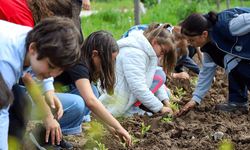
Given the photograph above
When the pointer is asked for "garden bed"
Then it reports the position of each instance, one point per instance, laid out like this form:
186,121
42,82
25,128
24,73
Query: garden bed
203,127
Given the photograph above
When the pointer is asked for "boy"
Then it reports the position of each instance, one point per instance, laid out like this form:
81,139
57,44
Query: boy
50,47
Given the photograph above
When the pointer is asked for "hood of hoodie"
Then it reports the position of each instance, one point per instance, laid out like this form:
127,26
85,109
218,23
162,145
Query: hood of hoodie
137,40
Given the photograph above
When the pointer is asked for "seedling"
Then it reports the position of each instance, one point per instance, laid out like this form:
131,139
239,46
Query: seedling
180,93
133,141
144,129
100,145
169,119
173,106
194,82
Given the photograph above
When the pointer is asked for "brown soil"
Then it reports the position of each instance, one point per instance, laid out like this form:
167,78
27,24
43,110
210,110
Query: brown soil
193,130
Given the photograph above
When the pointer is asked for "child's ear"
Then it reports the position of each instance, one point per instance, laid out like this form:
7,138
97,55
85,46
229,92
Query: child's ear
32,48
94,53
153,42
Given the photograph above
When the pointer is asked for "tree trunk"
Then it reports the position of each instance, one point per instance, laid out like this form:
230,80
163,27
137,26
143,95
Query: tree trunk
228,4
137,15
218,5
241,3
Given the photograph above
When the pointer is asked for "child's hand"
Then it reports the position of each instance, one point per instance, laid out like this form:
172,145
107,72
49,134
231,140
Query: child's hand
53,127
54,103
86,4
181,75
121,133
166,109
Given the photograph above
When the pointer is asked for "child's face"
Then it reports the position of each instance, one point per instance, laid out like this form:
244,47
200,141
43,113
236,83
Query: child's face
160,49
44,68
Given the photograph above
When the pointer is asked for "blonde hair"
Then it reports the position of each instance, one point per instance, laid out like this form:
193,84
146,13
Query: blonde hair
163,36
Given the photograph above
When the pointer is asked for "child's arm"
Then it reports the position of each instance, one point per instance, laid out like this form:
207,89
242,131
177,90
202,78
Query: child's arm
98,109
50,123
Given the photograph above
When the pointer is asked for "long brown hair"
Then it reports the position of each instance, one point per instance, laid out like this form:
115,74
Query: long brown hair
163,36
42,9
106,45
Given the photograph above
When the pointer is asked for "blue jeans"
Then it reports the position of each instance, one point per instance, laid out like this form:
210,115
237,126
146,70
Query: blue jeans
75,110
239,79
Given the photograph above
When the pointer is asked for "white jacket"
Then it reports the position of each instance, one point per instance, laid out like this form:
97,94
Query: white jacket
135,67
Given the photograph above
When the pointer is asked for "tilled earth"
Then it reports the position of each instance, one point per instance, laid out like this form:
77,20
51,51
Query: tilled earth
203,127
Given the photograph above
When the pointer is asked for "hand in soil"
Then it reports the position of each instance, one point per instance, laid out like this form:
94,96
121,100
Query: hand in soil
190,104
122,133
166,109
53,127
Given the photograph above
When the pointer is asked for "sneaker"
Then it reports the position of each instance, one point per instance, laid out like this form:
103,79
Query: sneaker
64,144
232,106
37,136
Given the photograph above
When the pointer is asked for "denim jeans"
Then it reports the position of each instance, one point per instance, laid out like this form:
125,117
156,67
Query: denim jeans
75,110
239,79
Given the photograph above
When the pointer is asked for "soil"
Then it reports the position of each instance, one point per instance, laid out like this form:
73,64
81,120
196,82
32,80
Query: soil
202,127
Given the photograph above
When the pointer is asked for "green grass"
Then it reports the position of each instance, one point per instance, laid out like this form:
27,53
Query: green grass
111,18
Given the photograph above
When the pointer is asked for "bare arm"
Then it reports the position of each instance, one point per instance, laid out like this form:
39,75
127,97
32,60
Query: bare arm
98,108
50,123
200,54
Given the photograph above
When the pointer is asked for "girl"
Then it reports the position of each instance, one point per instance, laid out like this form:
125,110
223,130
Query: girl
98,54
136,65
181,45
224,40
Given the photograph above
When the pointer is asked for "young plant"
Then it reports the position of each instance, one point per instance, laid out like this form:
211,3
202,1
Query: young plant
100,145
133,141
168,119
180,93
144,129
173,106
194,82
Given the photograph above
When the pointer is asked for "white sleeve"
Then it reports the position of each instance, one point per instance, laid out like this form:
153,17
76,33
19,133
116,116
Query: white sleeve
45,85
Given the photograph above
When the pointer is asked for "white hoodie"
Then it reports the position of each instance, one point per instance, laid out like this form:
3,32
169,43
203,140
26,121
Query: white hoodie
135,67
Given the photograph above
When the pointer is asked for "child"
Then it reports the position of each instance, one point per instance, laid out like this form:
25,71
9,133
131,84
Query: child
74,85
42,49
23,13
224,40
136,65
181,45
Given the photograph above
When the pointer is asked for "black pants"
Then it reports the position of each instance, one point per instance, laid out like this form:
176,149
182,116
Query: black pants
19,113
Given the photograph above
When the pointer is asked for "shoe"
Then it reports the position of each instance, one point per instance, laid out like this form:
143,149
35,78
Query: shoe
37,136
64,144
232,106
